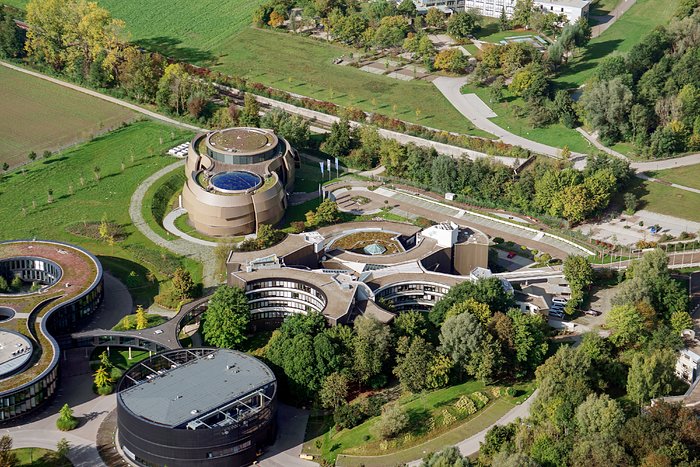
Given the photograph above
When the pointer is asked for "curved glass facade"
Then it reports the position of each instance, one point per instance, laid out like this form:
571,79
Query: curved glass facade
31,269
412,295
240,159
272,299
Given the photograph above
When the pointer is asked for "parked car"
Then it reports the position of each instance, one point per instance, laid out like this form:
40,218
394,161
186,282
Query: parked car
561,300
511,254
556,313
593,312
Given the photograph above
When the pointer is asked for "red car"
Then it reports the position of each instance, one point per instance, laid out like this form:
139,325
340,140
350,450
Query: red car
511,254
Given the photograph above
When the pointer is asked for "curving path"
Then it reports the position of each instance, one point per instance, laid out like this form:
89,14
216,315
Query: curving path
182,247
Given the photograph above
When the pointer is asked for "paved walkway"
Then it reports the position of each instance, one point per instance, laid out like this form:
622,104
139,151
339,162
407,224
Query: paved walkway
104,97
169,225
201,253
477,112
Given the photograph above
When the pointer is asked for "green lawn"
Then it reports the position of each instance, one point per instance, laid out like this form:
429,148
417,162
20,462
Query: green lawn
91,200
40,457
308,176
41,116
603,7
665,199
638,21
153,321
686,176
118,358
159,198
556,135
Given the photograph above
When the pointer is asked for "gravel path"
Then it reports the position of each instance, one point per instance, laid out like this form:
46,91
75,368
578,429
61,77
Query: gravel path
201,253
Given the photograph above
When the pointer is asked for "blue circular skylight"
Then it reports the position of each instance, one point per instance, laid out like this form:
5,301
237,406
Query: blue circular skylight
235,181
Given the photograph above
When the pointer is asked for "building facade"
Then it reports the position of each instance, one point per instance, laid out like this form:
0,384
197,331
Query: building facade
71,281
237,179
166,416
572,9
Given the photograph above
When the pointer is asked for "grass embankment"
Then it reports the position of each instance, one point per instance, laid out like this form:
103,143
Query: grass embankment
638,21
435,422
686,176
159,200
664,199
27,213
556,134
41,116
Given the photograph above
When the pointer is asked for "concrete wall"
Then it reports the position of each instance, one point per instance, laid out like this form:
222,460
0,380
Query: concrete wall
469,256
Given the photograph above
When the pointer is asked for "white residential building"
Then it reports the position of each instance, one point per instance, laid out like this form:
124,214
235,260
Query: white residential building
573,9
688,366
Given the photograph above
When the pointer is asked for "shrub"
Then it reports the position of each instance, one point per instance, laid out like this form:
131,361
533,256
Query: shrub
347,416
298,226
481,398
393,421
498,240
66,421
105,390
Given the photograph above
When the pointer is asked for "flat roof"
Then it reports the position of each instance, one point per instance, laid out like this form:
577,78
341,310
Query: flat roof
242,140
569,3
203,384
15,351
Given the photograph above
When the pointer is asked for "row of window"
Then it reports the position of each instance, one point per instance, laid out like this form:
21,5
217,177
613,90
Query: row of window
31,269
28,398
272,314
244,159
291,305
279,295
413,287
285,284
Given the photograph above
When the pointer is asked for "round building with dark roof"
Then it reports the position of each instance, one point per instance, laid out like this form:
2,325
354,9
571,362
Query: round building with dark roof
196,407
237,179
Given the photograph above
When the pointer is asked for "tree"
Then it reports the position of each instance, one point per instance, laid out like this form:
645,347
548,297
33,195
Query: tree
141,318
227,317
183,285
410,324
462,24
503,23
450,60
326,213
334,391
371,347
499,438
338,142
4,286
407,8
12,38
522,12
293,128
529,340
444,173
32,156
462,338
434,18
72,34
488,291
448,457
530,82
414,365
579,274
627,325
607,105
393,421
102,378
651,376
250,115
599,415
630,203
62,448
105,362
66,421
139,73
7,457
174,88
681,320
480,310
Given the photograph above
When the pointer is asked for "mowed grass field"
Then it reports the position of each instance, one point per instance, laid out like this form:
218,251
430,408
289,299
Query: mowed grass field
686,176
218,34
638,21
664,199
39,115
27,213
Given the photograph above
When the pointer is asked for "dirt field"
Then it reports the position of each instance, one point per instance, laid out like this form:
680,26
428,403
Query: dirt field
39,116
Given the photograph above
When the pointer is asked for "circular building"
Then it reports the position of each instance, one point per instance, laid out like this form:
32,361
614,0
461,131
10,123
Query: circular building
54,288
196,407
237,179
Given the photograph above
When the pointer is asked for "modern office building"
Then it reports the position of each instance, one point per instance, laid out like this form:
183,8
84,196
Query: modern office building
197,407
344,270
237,179
60,287
572,9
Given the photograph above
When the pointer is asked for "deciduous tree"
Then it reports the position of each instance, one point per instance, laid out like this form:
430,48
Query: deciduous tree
227,317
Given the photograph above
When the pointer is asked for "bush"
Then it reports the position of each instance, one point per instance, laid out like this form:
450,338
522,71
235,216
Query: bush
498,240
298,226
423,223
66,425
105,390
393,421
347,416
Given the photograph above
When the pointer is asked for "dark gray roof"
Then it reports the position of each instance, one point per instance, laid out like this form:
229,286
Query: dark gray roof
201,385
